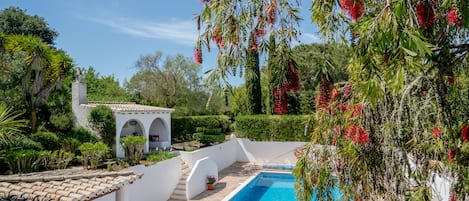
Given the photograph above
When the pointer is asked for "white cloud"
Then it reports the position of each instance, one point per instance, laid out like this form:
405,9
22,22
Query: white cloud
182,32
310,38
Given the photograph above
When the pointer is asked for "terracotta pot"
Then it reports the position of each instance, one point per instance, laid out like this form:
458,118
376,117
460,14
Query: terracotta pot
210,186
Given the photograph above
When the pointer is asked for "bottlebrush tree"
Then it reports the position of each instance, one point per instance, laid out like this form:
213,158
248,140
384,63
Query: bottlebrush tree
406,114
408,76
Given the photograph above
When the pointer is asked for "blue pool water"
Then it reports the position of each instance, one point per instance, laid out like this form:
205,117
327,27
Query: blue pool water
269,186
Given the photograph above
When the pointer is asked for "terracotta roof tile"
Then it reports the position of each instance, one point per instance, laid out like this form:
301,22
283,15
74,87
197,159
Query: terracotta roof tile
68,185
128,107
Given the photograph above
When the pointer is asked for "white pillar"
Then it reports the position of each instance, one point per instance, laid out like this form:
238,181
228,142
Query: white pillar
123,193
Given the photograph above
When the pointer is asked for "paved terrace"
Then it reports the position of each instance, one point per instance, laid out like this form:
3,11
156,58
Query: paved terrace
229,179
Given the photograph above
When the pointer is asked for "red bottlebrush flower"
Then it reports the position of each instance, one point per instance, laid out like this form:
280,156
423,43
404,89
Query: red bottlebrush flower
280,97
197,56
425,14
465,133
453,17
260,32
451,155
452,196
325,88
357,10
436,132
335,93
357,111
343,106
354,8
357,134
293,79
217,38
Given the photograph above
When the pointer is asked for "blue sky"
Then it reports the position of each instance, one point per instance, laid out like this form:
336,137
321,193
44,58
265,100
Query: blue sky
110,35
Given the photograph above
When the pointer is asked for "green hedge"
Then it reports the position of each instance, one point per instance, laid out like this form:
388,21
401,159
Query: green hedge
182,128
272,127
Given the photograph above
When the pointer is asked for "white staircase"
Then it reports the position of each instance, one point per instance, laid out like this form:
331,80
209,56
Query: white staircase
180,192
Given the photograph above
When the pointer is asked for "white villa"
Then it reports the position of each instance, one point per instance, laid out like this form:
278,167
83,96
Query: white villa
131,119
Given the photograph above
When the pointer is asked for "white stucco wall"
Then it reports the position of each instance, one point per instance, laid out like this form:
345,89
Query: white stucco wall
107,197
268,152
197,180
158,181
145,121
223,154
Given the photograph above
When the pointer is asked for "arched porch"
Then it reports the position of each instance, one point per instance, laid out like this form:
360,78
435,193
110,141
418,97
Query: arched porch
159,135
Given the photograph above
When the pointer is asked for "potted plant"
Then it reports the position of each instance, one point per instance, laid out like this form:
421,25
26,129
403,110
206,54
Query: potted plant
211,179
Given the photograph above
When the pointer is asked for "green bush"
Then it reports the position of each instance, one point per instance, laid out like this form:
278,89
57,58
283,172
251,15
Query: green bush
182,128
92,154
62,122
273,127
26,143
82,134
209,139
50,141
161,156
24,160
133,148
71,144
103,120
58,159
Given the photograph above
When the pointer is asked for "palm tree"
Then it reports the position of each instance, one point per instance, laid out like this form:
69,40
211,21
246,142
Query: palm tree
45,71
10,125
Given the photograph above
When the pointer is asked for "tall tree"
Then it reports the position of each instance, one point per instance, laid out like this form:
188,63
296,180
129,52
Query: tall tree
253,78
43,69
13,20
102,88
173,82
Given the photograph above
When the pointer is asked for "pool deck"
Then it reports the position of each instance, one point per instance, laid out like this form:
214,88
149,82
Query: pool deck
231,178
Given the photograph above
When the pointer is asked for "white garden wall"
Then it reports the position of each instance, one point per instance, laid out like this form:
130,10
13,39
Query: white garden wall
158,181
197,180
223,154
268,152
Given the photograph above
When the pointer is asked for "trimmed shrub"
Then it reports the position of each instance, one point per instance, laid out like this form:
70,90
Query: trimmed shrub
161,156
182,128
71,145
133,148
92,154
50,141
26,143
209,139
273,127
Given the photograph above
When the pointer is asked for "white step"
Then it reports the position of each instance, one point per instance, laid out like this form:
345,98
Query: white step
178,197
179,192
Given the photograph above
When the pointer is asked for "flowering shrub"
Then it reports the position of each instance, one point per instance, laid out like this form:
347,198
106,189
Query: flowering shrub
211,179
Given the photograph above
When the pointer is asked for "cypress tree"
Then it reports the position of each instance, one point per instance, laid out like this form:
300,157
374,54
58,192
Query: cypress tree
253,78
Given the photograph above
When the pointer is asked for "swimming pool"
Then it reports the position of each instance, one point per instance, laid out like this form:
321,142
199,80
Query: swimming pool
272,186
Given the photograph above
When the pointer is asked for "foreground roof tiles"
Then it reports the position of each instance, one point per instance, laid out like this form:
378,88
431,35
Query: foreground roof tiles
65,185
